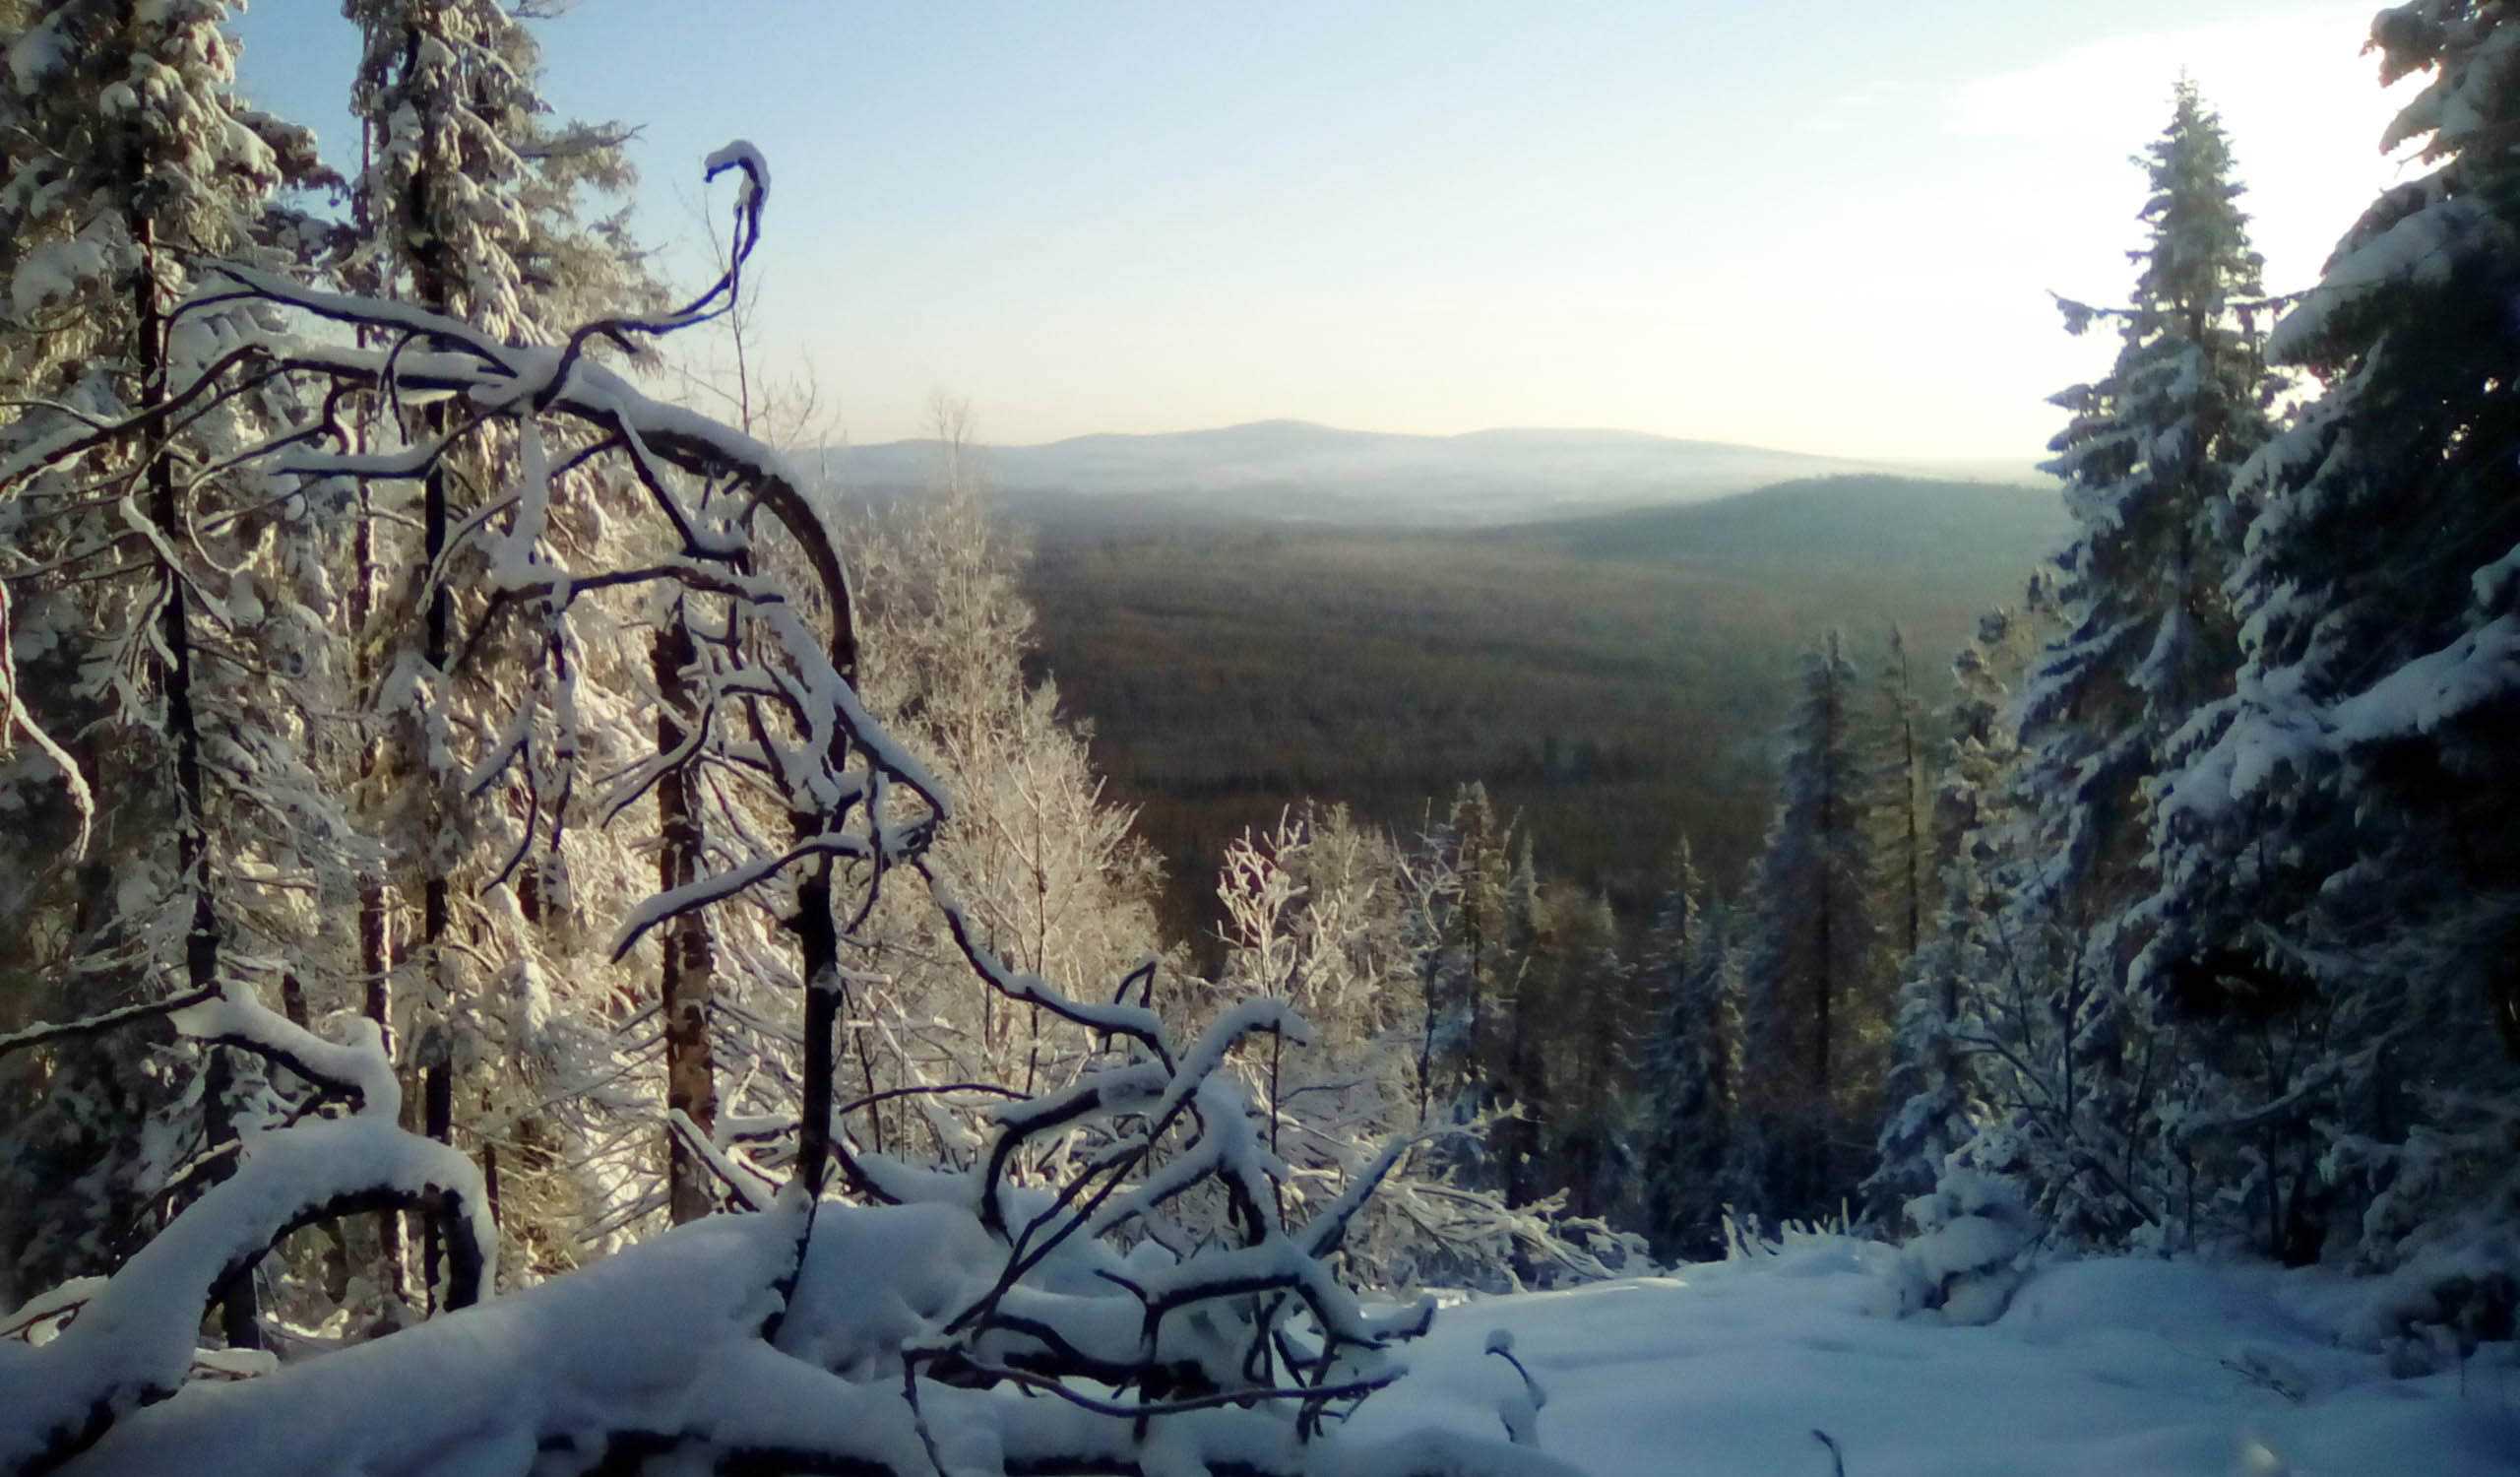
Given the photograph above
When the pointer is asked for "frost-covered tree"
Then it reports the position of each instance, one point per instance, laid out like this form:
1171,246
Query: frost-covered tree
1951,986
786,414
1043,870
1573,1017
1310,919
1046,869
2147,458
474,204
164,655
1516,1077
1900,841
1318,914
1469,955
474,199
1992,1055
2337,869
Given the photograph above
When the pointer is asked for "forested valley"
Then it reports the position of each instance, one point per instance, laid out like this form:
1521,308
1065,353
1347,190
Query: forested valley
1612,680
520,883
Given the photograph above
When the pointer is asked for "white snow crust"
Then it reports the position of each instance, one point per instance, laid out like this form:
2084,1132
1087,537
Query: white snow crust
2105,1368
2099,1369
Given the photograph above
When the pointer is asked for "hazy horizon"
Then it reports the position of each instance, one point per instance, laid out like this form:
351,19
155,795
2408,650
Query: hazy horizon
1815,229
926,435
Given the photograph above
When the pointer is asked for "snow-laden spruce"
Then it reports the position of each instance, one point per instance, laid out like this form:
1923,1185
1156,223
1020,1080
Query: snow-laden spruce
163,642
2147,462
2076,1052
478,719
2335,838
1690,1064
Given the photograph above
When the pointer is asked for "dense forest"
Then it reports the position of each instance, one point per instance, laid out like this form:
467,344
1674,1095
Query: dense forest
1612,680
512,887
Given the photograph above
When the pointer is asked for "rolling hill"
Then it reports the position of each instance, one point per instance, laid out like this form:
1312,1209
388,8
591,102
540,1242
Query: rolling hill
1866,527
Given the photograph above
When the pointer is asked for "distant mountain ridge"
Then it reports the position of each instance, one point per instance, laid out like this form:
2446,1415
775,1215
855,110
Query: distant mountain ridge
1931,531
1295,471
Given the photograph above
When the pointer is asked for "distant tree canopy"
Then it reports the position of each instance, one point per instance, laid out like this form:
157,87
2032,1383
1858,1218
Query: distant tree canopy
1610,681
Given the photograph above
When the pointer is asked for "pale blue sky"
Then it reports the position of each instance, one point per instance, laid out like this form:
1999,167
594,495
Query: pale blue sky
1825,226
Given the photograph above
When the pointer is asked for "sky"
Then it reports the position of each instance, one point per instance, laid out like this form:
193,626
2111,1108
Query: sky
1820,226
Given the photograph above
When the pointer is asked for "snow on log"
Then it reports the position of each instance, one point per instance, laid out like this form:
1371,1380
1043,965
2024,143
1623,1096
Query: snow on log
656,1352
133,1342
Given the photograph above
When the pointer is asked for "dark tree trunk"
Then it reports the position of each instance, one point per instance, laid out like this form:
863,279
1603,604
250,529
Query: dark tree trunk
818,947
686,979
437,1086
238,1314
431,278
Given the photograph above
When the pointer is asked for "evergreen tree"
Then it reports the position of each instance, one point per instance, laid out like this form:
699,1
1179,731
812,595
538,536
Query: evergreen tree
1576,1008
2341,840
473,206
1518,1078
1689,1066
160,612
1902,845
1809,964
1473,854
1949,988
2147,458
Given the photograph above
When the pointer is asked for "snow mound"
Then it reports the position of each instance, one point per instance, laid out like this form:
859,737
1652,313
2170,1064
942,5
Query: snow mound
1964,1260
2183,1302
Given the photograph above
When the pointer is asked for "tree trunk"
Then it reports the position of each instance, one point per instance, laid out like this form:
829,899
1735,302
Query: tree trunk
375,916
818,948
431,278
685,979
1524,1074
1428,975
238,1315
437,1055
1832,843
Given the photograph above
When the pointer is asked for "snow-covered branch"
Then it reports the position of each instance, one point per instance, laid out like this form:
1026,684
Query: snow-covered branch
809,1334
132,1343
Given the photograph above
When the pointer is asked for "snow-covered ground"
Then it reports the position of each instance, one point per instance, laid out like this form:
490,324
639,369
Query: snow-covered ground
2116,1367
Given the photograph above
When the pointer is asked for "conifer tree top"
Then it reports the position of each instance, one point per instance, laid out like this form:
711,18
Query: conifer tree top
2198,259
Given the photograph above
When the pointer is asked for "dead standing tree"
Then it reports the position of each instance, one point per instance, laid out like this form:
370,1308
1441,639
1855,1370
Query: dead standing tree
905,1333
